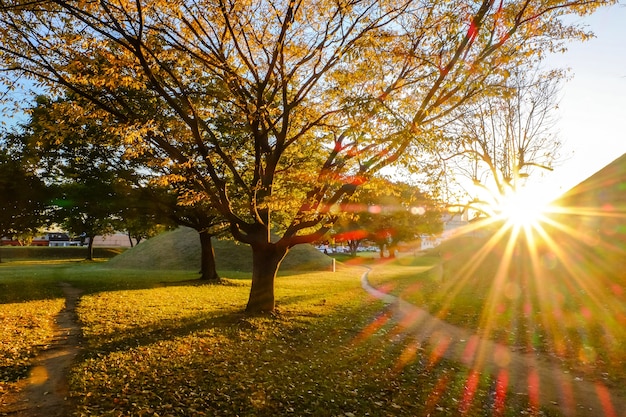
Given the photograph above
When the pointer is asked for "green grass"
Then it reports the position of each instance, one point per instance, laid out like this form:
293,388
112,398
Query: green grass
573,309
39,253
157,344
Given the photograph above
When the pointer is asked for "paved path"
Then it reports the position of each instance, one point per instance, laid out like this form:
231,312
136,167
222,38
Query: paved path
545,383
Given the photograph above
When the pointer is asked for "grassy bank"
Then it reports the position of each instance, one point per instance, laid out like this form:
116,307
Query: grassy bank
157,344
563,311
39,253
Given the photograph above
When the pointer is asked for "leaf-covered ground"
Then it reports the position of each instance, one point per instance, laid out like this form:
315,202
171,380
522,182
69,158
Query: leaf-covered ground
29,302
156,344
25,329
188,351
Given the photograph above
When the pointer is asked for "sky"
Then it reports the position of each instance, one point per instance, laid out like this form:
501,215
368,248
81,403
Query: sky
592,110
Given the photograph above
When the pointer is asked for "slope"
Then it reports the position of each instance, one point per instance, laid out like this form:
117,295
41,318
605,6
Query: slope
179,249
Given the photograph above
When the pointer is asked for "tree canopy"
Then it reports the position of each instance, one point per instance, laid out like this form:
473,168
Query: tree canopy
277,110
84,165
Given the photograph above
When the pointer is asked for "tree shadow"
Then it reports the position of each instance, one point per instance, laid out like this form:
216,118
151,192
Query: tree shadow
169,329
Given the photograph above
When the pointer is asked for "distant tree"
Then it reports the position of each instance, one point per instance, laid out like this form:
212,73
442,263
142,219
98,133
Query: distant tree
499,141
84,163
349,230
138,225
85,208
24,198
141,213
362,84
387,213
398,212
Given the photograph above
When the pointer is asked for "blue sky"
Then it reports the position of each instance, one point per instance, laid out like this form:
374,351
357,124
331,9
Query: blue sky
592,110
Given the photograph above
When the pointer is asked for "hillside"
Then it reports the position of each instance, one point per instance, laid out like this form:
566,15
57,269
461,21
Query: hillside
603,190
583,240
179,249
594,213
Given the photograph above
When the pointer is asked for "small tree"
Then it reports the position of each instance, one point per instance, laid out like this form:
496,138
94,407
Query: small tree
140,212
498,142
398,212
349,230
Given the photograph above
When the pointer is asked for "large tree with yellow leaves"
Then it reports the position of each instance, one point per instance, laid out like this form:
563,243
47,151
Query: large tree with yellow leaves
286,105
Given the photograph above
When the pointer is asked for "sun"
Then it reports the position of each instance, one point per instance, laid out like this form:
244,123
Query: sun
521,209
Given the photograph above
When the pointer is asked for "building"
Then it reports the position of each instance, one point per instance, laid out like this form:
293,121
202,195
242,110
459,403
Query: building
453,223
47,239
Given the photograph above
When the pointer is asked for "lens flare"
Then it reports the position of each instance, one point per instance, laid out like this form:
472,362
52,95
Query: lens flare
542,292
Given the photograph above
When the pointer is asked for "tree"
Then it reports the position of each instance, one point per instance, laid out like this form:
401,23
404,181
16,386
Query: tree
185,208
85,208
24,196
83,164
499,141
349,230
140,196
387,213
140,213
256,86
208,224
398,212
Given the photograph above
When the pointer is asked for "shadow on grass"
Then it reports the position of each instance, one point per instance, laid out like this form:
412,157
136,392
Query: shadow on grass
166,330
231,323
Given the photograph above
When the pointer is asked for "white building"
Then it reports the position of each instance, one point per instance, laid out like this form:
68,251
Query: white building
114,240
453,223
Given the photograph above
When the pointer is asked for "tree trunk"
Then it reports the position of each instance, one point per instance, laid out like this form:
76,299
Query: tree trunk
392,250
90,248
208,270
353,245
266,259
130,239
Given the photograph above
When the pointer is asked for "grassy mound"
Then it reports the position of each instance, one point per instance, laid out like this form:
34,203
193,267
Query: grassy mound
179,249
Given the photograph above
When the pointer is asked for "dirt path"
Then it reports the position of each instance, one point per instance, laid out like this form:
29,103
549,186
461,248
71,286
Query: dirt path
45,392
544,381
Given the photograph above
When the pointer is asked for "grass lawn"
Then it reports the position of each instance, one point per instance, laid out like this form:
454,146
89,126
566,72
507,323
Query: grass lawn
562,311
157,344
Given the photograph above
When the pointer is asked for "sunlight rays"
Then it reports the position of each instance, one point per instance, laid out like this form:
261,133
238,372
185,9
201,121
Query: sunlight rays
548,285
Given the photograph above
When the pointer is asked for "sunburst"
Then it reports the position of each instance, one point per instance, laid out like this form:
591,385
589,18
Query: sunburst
551,287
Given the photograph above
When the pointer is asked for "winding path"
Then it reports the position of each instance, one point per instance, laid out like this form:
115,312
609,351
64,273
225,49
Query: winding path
45,392
545,383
